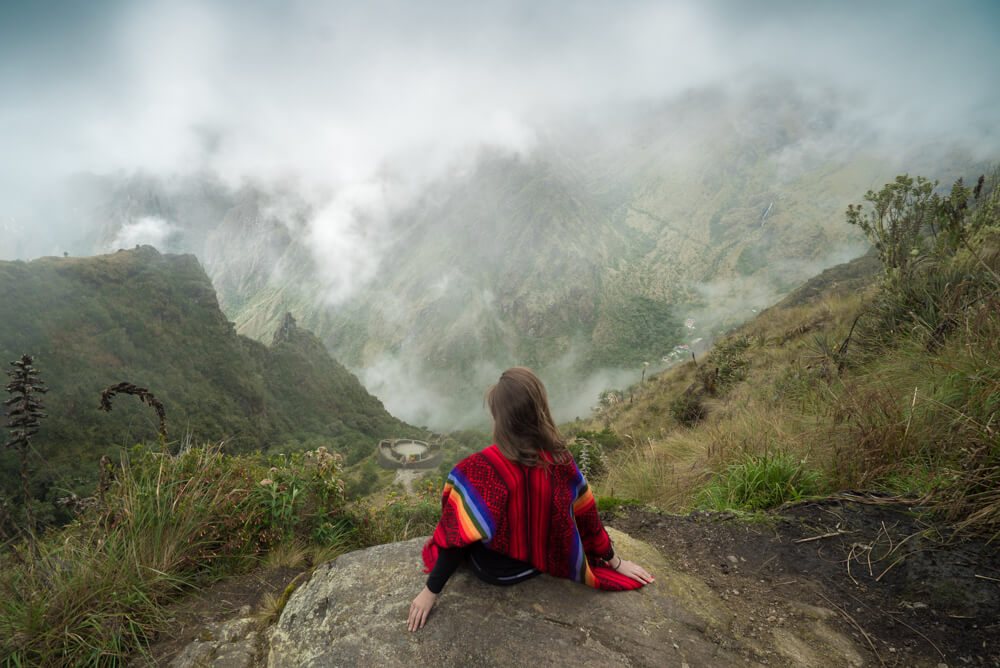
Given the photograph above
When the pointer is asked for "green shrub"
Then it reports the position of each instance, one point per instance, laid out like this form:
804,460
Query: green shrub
606,438
398,518
367,479
610,397
591,460
688,409
899,214
759,482
729,357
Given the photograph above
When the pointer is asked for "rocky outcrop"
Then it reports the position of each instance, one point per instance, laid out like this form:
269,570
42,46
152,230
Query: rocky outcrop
353,612
235,643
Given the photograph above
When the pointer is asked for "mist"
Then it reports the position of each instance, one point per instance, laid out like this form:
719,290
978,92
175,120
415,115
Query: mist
359,110
402,385
383,97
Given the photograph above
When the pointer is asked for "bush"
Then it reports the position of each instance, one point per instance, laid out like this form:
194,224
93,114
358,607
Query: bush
729,357
606,438
367,479
590,459
398,518
759,482
899,213
609,398
688,409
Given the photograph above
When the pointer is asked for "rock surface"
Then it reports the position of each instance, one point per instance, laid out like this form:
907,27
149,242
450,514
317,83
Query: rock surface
353,612
230,644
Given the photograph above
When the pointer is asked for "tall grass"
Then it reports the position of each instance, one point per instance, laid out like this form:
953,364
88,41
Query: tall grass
644,469
93,592
908,399
967,399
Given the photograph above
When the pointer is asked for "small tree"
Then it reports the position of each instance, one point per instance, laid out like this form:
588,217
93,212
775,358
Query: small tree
900,211
24,410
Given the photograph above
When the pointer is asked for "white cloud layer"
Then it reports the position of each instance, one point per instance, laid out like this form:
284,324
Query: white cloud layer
346,99
149,230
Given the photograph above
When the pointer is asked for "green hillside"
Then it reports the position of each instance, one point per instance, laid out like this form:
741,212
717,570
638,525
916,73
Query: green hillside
878,374
585,256
582,257
154,320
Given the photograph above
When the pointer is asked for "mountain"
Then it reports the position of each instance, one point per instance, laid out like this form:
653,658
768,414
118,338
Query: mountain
582,257
154,320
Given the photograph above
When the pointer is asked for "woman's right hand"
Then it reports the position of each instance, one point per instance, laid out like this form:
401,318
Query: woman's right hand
634,571
420,608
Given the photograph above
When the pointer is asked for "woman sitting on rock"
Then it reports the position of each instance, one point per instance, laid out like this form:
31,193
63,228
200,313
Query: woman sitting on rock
521,507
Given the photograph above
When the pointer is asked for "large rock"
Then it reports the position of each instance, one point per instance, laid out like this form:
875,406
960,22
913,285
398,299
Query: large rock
353,612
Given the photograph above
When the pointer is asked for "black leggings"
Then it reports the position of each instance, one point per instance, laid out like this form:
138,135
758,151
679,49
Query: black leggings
496,568
488,565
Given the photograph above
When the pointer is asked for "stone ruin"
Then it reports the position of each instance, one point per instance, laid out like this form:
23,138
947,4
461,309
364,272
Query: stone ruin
408,453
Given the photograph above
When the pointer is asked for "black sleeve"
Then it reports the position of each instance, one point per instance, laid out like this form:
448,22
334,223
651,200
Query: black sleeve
447,561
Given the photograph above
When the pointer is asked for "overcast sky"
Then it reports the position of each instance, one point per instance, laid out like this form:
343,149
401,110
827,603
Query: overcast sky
340,95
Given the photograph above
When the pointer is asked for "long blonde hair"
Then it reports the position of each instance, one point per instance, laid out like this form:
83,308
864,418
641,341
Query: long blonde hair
522,422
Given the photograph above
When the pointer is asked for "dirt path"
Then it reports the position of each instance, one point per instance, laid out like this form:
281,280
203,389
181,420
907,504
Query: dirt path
406,478
892,582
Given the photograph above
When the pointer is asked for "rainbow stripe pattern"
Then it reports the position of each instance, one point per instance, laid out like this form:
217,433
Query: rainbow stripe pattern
544,515
474,519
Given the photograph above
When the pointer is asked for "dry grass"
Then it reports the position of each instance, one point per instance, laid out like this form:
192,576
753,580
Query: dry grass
921,414
288,555
651,471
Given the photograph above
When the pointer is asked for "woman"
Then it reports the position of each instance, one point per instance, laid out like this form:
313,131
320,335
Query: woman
521,507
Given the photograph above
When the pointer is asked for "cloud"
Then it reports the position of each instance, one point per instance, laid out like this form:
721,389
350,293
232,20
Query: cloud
346,99
406,389
149,230
427,397
357,107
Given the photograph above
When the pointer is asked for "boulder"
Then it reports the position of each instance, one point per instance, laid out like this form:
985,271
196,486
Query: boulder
353,612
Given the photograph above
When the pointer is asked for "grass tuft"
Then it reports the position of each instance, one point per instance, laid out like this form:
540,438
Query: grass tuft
759,482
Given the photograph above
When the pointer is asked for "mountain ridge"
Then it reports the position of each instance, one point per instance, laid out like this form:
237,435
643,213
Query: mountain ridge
581,257
153,319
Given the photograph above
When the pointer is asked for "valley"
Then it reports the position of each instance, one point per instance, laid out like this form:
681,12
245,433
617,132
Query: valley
582,258
260,262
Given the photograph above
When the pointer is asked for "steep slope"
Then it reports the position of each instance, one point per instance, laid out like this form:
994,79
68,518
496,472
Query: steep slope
590,253
582,257
154,320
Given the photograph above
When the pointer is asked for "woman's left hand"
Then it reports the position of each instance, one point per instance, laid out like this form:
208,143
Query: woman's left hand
634,571
420,608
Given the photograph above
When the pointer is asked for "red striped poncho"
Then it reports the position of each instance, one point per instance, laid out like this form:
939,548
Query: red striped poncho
545,516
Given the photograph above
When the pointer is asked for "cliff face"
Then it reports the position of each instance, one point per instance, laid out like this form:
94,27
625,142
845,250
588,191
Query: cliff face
154,320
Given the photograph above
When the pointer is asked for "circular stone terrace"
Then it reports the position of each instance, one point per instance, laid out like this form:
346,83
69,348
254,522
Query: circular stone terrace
407,453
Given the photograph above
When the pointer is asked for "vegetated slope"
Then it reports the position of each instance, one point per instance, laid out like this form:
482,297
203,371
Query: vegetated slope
893,387
585,254
154,320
